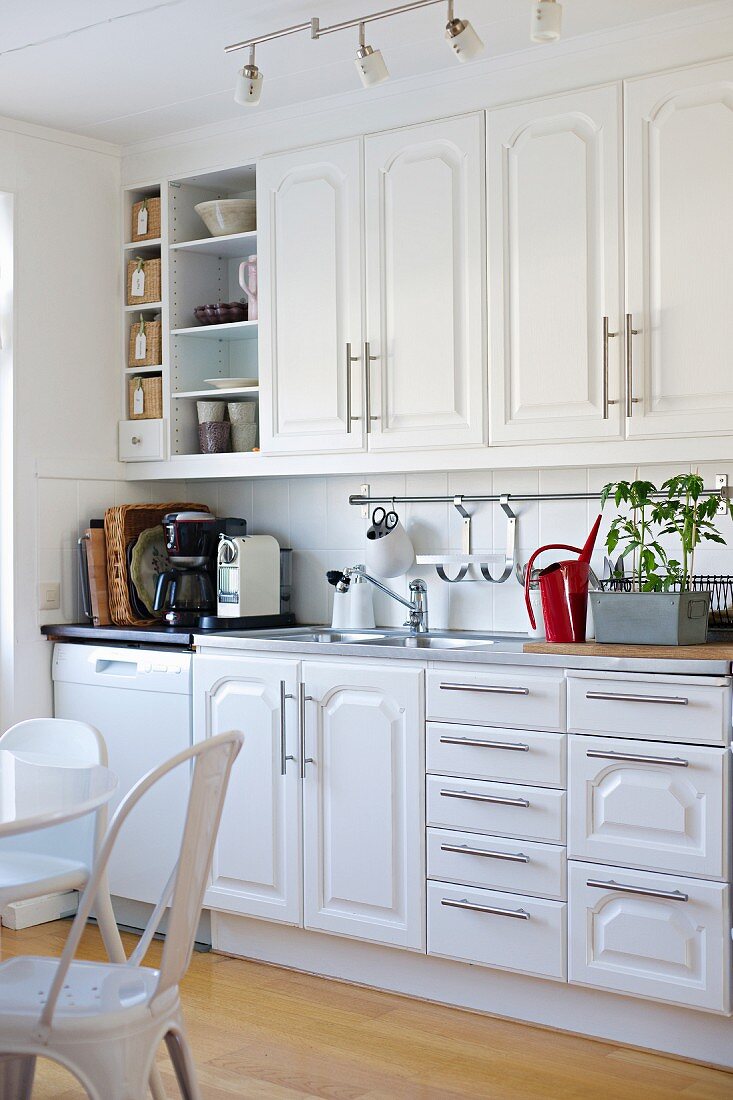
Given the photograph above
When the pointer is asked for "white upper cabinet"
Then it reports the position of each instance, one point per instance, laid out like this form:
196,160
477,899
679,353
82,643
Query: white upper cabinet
679,250
256,867
363,820
554,208
310,268
425,285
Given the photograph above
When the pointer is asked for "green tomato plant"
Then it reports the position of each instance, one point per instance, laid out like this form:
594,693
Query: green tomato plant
682,508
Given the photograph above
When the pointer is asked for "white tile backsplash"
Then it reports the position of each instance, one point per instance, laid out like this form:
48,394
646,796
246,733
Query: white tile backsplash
313,515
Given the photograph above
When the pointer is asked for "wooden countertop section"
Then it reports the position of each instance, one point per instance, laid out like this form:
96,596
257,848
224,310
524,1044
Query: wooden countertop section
711,651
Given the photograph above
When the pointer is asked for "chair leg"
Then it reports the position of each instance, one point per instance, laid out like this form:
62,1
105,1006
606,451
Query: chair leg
105,915
16,1077
183,1064
157,1088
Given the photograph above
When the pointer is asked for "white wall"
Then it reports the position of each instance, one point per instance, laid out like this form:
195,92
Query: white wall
65,361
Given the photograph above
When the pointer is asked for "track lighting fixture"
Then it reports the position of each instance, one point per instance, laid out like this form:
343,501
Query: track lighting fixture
249,83
461,36
370,63
546,21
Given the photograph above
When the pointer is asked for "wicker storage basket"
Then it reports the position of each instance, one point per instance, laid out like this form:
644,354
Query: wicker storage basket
151,290
153,346
152,206
152,398
122,523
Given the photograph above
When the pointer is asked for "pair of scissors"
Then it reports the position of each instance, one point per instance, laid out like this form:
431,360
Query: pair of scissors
383,522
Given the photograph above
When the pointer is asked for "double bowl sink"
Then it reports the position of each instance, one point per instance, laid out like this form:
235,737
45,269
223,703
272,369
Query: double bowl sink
383,638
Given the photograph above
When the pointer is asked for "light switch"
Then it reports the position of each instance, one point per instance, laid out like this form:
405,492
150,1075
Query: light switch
50,596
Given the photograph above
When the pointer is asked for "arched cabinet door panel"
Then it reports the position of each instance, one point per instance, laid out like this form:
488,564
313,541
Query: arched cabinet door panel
679,250
554,209
425,284
310,259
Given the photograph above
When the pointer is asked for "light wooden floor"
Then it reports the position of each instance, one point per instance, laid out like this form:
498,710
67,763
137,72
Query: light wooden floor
270,1034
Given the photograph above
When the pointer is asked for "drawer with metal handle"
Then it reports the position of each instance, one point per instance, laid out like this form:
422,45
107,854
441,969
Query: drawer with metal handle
657,806
665,937
500,809
516,698
525,756
495,863
497,929
692,710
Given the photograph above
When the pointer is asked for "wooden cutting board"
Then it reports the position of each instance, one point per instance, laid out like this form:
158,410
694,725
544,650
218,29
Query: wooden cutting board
711,651
97,570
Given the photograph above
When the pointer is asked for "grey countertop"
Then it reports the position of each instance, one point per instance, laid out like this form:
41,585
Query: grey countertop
505,649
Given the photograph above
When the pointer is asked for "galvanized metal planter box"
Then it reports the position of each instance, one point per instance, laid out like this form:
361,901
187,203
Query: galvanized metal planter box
651,618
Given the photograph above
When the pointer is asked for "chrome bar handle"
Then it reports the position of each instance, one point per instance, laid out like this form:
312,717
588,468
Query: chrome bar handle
368,360
611,696
644,891
673,761
520,914
283,748
494,798
302,700
467,850
485,689
630,333
350,418
510,746
606,337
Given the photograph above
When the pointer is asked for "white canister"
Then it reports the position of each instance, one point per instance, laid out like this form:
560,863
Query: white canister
392,554
361,606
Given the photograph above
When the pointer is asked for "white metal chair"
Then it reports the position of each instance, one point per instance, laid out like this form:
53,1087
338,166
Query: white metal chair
105,1021
32,864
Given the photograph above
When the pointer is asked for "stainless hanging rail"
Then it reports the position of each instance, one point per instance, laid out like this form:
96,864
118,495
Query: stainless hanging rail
496,498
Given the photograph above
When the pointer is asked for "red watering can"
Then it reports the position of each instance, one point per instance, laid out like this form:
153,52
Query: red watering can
564,591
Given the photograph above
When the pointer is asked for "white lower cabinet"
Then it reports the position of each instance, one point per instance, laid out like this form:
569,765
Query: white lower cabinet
657,806
497,929
660,936
363,821
256,868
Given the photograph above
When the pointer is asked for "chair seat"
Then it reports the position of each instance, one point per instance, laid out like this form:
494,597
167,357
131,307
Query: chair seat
90,990
31,875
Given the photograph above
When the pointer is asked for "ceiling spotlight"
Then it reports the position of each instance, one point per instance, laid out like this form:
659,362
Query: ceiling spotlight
249,83
546,21
462,38
370,63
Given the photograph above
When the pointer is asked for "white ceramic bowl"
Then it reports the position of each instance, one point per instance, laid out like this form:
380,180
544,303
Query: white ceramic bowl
222,216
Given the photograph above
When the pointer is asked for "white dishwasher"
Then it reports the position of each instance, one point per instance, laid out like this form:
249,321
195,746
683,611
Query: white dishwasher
140,701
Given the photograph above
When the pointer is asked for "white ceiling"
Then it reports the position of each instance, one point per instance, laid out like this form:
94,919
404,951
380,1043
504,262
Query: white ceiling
131,70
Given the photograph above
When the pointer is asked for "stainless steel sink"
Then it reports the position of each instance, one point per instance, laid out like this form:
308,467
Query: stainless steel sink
332,636
426,641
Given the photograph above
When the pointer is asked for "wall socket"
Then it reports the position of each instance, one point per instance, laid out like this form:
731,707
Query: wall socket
49,597
721,484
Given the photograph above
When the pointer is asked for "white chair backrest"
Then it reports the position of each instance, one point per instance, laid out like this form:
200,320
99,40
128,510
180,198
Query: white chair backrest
73,743
212,761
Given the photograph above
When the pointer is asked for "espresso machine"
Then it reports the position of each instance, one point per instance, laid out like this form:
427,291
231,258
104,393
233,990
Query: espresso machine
185,592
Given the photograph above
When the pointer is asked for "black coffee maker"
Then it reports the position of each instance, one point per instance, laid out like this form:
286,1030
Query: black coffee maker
185,592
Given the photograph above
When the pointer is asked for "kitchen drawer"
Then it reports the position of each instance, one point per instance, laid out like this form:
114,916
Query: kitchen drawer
515,866
492,753
515,698
141,440
501,809
660,936
661,807
648,708
497,929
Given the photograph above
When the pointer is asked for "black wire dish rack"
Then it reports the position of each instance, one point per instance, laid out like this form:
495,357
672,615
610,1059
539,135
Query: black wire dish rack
720,587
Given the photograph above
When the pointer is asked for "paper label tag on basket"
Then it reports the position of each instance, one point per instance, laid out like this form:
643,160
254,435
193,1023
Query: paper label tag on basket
142,221
138,283
141,345
138,399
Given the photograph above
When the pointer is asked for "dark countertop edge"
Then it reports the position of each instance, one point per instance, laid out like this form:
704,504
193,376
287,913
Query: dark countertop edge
140,635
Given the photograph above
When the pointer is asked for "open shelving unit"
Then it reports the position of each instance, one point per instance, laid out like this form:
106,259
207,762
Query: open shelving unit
150,248
196,269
